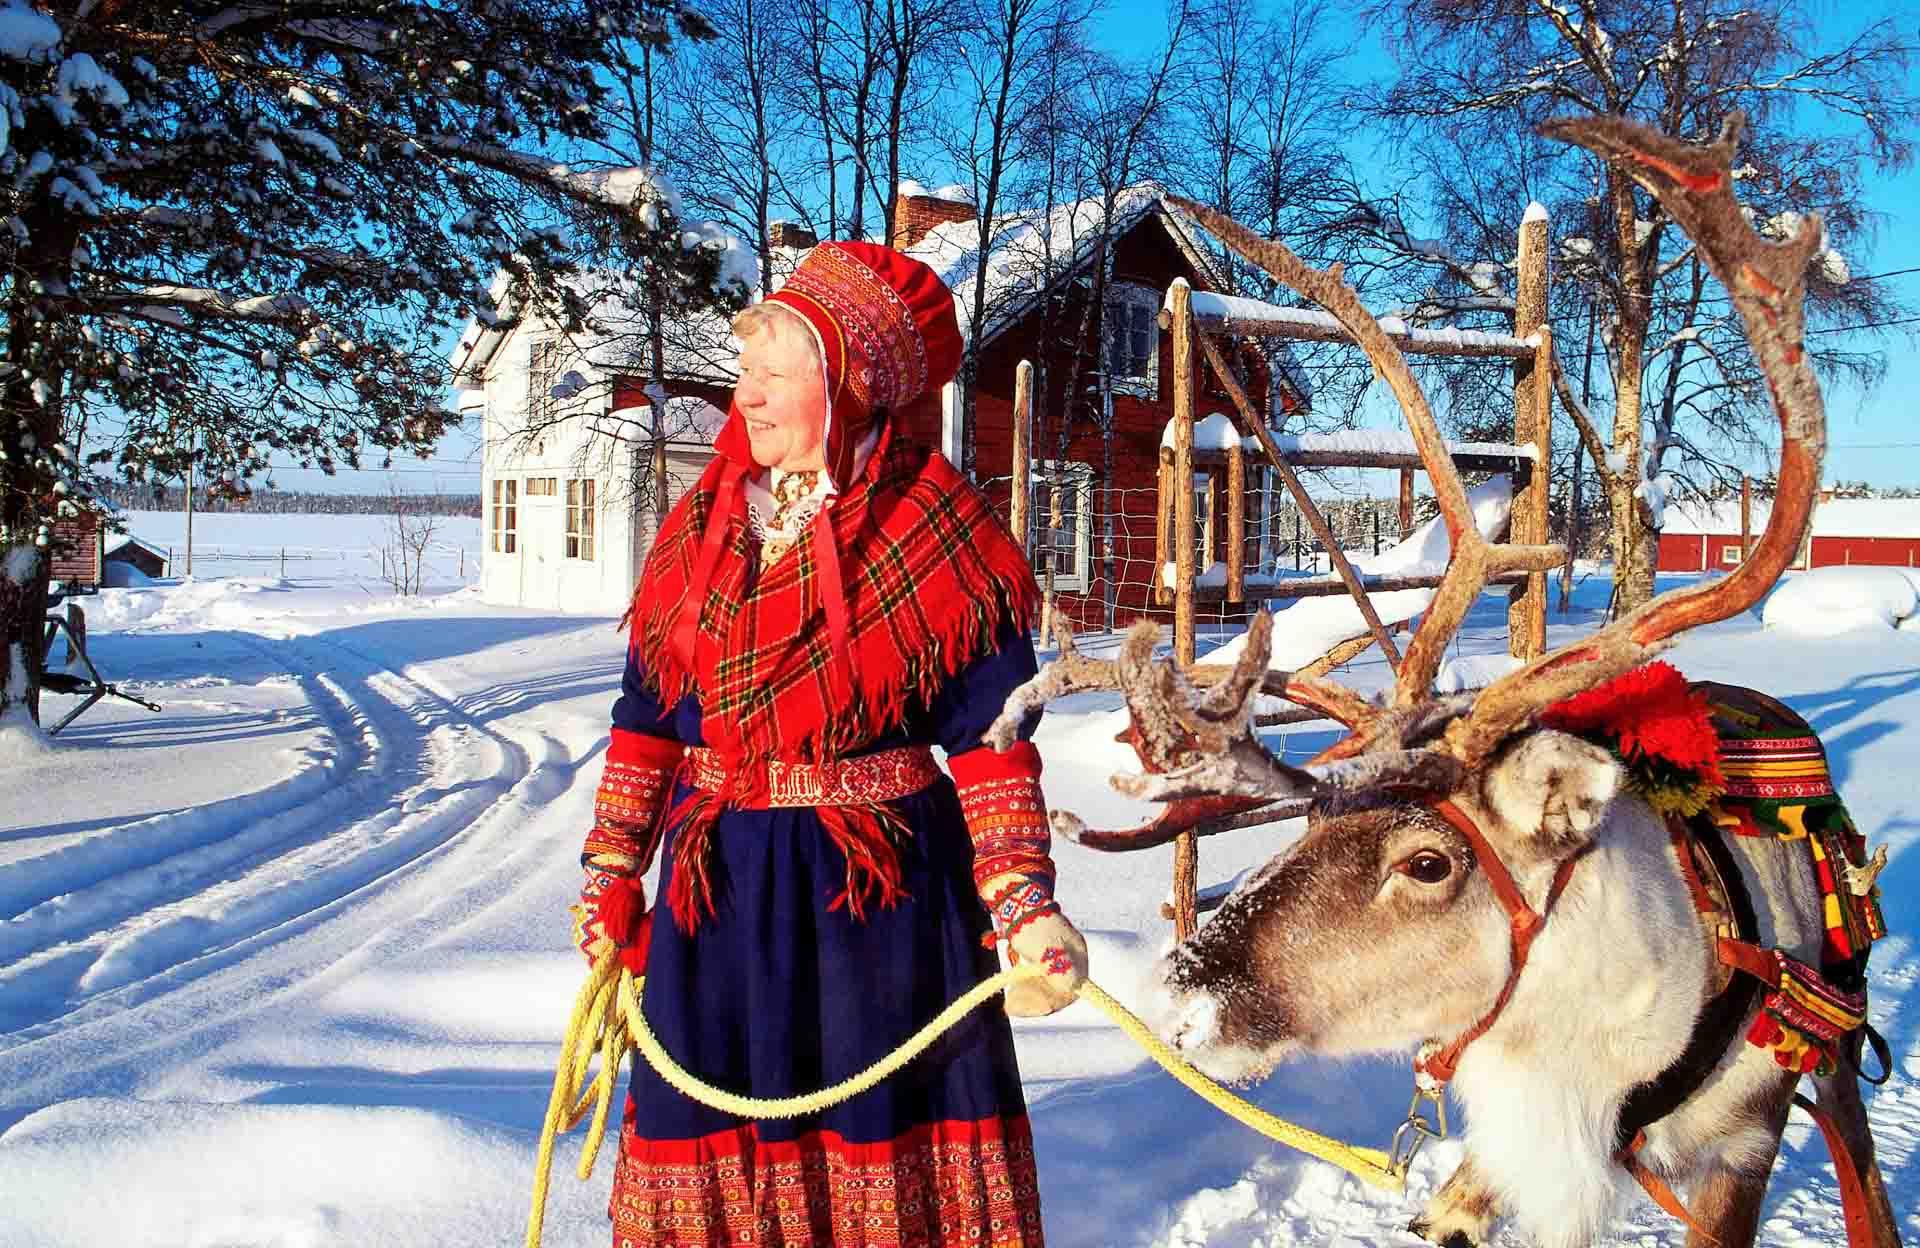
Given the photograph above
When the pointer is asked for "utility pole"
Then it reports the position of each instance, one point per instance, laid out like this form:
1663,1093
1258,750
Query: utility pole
193,454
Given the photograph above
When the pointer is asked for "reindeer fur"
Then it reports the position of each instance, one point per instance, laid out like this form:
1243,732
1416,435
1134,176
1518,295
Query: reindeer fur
1330,950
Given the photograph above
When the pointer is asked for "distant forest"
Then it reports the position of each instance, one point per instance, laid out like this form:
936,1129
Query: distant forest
129,497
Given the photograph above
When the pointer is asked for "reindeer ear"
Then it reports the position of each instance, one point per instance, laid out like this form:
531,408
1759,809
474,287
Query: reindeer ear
1552,786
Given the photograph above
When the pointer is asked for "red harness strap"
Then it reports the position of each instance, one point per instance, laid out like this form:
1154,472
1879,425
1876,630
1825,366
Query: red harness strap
1522,918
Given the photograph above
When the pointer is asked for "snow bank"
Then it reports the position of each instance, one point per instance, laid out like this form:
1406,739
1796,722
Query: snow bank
1826,601
1310,627
187,1175
120,574
1473,671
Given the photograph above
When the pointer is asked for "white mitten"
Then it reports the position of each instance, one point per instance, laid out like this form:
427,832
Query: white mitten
1056,944
1036,933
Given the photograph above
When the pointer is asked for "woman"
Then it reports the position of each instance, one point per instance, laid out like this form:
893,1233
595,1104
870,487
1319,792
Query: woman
827,604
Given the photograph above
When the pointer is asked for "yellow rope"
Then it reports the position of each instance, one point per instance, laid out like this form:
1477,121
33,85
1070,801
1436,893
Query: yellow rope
606,1019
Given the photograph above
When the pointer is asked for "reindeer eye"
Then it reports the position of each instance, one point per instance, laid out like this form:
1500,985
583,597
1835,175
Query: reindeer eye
1426,866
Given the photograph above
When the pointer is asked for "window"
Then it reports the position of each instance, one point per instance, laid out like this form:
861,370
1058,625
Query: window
543,370
1730,555
1202,521
506,519
1068,549
580,519
1133,339
538,487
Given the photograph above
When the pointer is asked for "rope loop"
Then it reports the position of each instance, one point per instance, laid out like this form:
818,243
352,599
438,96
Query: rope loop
607,1020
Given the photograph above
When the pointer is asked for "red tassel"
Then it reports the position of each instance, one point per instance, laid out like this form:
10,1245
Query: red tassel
865,836
621,907
633,954
691,893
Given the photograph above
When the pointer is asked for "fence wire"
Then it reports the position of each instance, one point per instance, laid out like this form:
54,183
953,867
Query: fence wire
1102,553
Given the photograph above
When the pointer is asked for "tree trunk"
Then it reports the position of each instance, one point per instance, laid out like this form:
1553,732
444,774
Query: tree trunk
1632,556
23,613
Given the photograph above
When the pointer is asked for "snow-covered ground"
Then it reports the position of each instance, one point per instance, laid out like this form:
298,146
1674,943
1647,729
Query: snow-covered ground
287,963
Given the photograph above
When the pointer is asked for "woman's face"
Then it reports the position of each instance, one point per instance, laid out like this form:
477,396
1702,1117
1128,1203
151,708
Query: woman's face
784,400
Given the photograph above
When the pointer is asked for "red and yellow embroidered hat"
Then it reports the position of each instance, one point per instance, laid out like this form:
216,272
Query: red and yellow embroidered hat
888,334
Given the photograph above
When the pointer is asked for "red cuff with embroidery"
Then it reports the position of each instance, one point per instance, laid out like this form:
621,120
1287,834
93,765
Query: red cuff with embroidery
634,786
1005,812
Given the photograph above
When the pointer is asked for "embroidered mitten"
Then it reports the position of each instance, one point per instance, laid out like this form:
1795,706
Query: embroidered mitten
1034,931
620,846
1007,819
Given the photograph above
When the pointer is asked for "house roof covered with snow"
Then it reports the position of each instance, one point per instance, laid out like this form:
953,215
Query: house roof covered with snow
1031,251
1838,517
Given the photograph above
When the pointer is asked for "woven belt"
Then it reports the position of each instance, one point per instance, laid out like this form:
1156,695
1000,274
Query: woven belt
859,781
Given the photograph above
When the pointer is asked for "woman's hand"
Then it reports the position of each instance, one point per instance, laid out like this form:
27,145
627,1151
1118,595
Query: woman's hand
1036,933
612,914
1050,941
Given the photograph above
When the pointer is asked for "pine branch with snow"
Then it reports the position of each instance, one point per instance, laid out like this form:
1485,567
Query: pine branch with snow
239,233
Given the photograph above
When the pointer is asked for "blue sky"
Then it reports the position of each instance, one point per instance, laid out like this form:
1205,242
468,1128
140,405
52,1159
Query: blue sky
1874,437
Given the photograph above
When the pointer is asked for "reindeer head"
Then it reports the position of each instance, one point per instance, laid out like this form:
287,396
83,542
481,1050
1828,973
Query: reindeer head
1437,825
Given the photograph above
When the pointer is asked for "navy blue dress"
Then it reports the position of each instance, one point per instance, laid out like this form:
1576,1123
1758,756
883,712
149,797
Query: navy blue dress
777,994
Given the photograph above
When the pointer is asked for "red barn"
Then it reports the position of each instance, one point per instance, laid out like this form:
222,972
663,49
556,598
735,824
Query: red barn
1104,553
1882,532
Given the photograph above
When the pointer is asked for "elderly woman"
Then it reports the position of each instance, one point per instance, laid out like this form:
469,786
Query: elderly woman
829,603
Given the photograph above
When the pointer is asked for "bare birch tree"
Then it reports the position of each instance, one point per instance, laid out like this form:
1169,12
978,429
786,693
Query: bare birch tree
1477,76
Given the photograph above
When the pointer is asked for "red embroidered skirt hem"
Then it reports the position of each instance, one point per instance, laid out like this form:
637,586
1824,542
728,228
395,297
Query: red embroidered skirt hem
941,1185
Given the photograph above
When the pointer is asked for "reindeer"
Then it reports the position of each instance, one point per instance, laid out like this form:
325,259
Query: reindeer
1469,875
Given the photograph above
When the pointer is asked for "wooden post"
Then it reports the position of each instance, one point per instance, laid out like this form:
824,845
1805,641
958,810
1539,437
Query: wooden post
1236,524
1532,417
1186,849
1022,459
1181,298
1746,517
1406,503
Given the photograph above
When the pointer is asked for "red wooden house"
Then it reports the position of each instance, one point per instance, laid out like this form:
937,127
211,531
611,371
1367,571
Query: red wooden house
1103,554
1882,532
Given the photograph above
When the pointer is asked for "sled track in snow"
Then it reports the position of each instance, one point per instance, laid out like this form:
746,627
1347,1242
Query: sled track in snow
208,918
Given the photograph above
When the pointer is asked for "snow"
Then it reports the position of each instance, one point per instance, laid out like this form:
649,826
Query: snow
1307,628
1473,671
295,972
1027,248
1215,432
910,189
317,141
81,75
1235,308
954,193
1655,493
1837,517
24,34
1388,442
1826,601
1536,211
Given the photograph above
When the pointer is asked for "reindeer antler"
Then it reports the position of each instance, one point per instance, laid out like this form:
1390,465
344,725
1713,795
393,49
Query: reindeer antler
1176,726
1474,560
1767,283
1183,724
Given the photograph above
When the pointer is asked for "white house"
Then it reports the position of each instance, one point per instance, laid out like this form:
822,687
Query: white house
563,422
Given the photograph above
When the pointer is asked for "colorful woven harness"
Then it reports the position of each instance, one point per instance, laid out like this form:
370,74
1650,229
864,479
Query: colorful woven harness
1712,757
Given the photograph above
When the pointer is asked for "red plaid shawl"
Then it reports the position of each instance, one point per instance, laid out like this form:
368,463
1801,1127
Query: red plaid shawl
930,573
